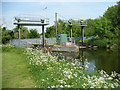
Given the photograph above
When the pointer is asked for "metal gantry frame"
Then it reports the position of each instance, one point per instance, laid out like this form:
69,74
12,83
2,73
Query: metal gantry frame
28,22
78,24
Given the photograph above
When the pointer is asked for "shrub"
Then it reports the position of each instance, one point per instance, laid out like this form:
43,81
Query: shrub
99,42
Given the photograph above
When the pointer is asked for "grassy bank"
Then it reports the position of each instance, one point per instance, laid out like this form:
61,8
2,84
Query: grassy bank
15,73
41,70
48,72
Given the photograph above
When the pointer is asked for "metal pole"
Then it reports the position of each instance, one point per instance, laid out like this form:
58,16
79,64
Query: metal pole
56,22
42,21
71,33
19,35
82,35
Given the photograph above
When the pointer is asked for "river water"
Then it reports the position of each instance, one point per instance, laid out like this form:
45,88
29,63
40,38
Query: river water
100,59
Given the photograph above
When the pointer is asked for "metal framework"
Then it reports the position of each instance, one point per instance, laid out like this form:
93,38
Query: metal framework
77,24
32,21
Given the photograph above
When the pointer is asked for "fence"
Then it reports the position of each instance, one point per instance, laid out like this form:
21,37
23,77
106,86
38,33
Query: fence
25,43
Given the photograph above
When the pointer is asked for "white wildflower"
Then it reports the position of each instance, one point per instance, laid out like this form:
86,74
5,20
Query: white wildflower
61,86
110,78
53,86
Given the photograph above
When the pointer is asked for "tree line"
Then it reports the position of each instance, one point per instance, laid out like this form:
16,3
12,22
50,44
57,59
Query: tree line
13,34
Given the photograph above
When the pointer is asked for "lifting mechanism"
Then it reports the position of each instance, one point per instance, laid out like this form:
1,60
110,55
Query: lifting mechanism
32,21
77,24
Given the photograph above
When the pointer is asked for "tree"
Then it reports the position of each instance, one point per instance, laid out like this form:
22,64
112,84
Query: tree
50,32
33,34
7,35
112,15
89,30
23,32
61,29
102,27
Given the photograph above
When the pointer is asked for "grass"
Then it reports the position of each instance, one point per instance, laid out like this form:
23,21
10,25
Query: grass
15,73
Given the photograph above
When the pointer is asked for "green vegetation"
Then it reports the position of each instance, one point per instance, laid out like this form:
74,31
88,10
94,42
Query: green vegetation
13,34
15,73
33,34
48,72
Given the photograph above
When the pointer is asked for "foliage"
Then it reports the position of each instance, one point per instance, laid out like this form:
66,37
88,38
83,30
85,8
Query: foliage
113,14
51,32
90,30
99,42
33,34
13,34
61,29
6,35
103,42
108,27
48,72
102,27
23,32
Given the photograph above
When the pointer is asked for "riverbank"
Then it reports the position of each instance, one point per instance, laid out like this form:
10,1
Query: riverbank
113,44
49,72
42,70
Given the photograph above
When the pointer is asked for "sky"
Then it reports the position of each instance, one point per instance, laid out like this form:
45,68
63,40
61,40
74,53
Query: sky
66,10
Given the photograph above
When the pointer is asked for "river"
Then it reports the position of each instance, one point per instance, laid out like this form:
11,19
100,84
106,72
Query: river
100,59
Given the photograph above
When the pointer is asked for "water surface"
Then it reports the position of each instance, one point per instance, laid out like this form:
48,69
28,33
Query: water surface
100,59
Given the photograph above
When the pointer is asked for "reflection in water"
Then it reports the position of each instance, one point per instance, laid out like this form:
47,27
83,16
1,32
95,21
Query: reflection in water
102,59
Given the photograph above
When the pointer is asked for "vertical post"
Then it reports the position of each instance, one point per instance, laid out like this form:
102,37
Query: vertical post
18,31
82,59
43,34
19,35
82,35
56,22
71,33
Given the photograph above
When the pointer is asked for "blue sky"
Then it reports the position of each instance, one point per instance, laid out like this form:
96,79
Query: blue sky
65,10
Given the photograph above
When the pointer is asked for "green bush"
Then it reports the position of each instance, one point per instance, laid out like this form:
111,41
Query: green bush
99,42
103,42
